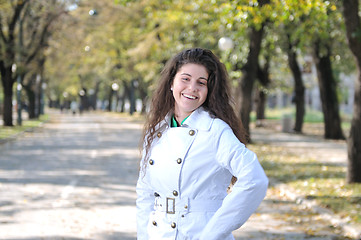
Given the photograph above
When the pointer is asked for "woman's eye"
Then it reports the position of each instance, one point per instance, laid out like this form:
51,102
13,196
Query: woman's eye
202,83
185,79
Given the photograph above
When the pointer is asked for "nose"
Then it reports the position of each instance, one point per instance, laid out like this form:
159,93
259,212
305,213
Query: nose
192,86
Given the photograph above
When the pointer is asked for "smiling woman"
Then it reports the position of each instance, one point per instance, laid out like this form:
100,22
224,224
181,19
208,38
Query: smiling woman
193,145
189,90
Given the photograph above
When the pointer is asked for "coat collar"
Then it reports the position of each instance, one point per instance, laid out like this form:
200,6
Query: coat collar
200,119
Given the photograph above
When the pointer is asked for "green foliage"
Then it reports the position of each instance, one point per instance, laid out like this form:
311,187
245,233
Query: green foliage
133,39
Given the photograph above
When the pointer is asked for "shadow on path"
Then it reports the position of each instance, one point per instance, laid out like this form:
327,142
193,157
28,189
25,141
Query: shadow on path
76,175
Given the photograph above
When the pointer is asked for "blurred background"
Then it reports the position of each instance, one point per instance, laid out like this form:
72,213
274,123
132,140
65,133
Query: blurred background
293,65
285,55
287,60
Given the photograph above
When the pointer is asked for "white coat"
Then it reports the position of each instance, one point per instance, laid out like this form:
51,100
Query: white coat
183,192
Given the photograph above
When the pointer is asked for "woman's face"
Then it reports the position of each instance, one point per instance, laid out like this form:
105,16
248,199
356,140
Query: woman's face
189,88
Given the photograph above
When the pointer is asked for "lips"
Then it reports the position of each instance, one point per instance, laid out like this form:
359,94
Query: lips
189,96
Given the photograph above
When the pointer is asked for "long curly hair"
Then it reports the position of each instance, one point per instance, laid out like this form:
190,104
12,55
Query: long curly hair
218,102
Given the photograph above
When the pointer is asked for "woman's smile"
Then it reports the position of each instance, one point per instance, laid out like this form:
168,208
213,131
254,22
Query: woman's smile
189,96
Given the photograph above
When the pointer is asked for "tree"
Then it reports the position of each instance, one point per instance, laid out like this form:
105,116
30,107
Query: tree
328,92
305,25
299,88
245,22
353,29
9,17
263,76
24,32
249,76
268,57
38,19
249,71
322,24
87,53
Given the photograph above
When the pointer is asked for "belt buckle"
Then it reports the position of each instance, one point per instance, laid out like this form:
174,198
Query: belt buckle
170,205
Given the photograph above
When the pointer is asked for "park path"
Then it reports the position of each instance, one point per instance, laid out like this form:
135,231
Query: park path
75,177
72,179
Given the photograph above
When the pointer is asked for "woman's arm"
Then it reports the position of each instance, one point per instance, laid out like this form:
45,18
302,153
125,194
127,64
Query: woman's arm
247,193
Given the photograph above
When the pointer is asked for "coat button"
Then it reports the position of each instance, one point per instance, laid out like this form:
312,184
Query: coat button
151,162
175,193
159,134
154,223
179,160
185,206
173,225
191,132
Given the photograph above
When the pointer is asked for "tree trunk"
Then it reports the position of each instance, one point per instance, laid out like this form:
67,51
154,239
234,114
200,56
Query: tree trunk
299,87
84,101
39,100
132,97
94,97
8,106
261,95
110,99
32,102
31,94
7,82
124,96
7,52
260,106
249,76
144,96
353,26
328,93
250,72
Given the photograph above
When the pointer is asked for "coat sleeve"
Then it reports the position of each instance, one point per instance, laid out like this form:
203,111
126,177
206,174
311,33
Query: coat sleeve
247,193
144,203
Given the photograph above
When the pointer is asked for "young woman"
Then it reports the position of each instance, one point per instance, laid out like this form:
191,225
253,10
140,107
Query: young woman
193,145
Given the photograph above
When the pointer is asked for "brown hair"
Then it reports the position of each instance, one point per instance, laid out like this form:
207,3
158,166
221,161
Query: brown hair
218,101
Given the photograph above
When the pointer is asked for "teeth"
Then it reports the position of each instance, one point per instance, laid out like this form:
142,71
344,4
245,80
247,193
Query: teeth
189,96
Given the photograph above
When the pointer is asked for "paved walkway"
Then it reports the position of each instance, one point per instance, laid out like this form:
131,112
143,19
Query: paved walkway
326,151
75,179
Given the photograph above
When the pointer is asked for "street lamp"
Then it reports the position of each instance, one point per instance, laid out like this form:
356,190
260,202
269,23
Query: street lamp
225,43
115,86
114,103
93,12
82,93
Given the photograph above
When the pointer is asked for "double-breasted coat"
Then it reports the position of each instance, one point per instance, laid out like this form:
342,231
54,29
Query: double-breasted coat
182,191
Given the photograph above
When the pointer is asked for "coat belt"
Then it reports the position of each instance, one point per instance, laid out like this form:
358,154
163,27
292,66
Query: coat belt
185,205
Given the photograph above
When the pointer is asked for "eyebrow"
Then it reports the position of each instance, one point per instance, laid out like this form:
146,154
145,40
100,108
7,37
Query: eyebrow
191,76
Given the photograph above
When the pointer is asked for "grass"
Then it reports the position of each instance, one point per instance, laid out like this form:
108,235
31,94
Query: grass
311,116
313,120
9,132
324,183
